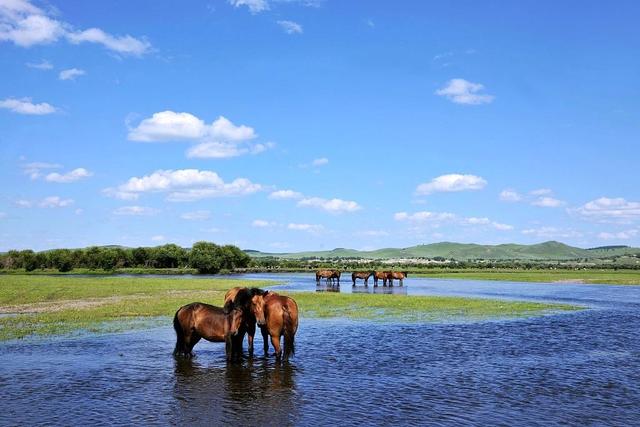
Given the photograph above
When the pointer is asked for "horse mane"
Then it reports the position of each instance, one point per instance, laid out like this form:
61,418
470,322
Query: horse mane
243,299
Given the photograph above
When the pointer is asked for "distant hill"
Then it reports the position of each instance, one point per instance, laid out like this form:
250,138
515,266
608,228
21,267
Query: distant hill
551,250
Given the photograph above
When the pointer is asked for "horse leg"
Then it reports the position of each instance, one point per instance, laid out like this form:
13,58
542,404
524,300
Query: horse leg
401,282
265,339
190,343
275,340
390,282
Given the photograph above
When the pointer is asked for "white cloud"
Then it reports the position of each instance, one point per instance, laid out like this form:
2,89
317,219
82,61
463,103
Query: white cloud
79,211
330,205
509,195
158,238
25,106
71,74
607,209
27,25
547,232
541,192
548,202
290,27
285,194
424,216
462,91
372,233
254,6
3,215
34,169
74,175
620,235
261,223
320,161
183,185
309,228
42,65
436,219
47,202
135,211
201,215
220,139
451,182
55,202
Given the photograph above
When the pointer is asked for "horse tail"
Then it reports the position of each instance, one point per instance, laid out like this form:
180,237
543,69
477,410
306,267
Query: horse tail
289,333
179,334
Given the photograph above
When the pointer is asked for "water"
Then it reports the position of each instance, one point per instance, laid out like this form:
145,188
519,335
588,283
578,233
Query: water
576,368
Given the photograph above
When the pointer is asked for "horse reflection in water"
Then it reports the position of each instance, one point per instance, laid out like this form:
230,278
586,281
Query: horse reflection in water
221,393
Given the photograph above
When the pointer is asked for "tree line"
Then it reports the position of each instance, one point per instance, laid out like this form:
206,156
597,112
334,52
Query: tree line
205,257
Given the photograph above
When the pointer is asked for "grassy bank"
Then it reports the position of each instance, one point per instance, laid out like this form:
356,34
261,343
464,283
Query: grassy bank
610,277
41,305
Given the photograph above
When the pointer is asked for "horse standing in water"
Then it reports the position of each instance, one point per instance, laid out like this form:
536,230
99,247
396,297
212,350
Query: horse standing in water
329,275
279,315
240,297
199,320
381,275
398,275
364,275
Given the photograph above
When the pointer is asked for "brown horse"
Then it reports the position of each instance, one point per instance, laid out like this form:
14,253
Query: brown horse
279,315
361,275
198,320
381,275
239,297
398,275
329,275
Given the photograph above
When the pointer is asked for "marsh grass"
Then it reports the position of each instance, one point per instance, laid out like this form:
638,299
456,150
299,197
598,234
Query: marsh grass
44,306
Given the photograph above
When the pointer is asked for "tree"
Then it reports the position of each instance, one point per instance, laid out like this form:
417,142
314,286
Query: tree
205,257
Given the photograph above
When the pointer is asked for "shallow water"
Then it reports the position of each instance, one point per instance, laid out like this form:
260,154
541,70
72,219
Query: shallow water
577,368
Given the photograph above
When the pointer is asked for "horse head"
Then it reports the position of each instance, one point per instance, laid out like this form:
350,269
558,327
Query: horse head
257,307
234,320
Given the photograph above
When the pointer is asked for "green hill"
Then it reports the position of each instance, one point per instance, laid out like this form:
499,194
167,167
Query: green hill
551,250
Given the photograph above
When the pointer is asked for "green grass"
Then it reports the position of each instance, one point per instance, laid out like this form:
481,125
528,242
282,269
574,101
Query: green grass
610,277
62,305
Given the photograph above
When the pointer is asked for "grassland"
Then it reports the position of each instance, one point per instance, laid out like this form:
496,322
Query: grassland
42,306
610,277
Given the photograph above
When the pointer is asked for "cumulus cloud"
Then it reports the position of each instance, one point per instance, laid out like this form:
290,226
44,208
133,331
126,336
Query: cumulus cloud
372,233
334,206
65,178
201,215
509,195
290,27
309,228
261,223
547,232
541,192
27,25
436,219
220,139
34,169
254,6
158,238
25,106
183,185
548,202
451,182
320,161
607,209
135,211
462,91
71,74
47,202
285,194
619,235
42,65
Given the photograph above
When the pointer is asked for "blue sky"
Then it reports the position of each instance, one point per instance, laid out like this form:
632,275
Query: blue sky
286,125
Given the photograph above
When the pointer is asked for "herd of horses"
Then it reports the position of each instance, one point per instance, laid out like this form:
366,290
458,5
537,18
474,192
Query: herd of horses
332,276
276,316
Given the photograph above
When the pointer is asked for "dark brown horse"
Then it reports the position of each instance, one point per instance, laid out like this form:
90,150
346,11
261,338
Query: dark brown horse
279,315
198,320
329,275
239,297
381,275
398,275
364,275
